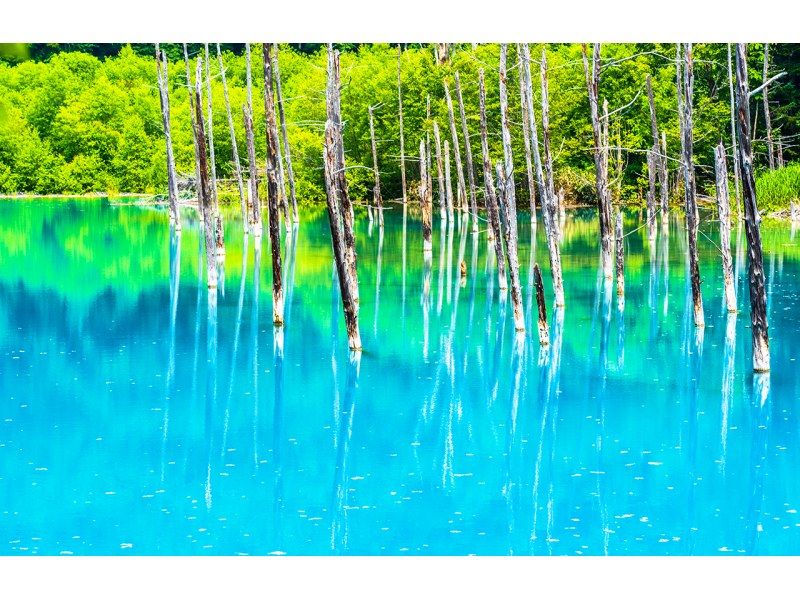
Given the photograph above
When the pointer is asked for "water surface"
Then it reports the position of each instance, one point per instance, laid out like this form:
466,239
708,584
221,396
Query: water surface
138,415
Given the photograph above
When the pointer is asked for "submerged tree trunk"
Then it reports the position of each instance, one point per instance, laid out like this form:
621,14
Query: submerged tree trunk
287,152
448,181
737,175
425,199
660,154
204,198
172,184
665,180
473,204
254,217
652,161
767,117
189,88
510,231
755,263
460,184
349,304
376,190
620,242
554,206
723,208
218,225
689,184
492,211
440,173
237,168
400,113
544,334
600,163
272,189
526,133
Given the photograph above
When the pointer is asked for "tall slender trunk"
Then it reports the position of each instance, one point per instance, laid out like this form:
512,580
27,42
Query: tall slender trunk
737,176
272,189
507,214
689,183
723,208
172,183
400,113
659,162
440,173
448,181
665,181
620,243
526,133
755,263
652,161
287,151
376,190
547,158
425,199
204,198
473,204
218,224
254,217
767,117
492,210
600,162
237,168
189,88
460,184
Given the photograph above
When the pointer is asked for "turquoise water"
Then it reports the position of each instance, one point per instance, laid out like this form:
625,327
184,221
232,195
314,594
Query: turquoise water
138,418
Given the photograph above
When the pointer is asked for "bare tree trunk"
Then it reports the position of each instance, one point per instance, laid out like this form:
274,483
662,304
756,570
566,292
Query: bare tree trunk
600,162
172,183
508,156
376,190
737,176
204,198
689,191
665,181
652,161
779,149
254,217
492,211
272,189
468,154
723,208
755,263
660,160
549,208
620,242
400,112
448,181
425,199
508,215
189,87
234,148
767,117
526,133
461,185
334,111
553,203
349,304
440,173
544,334
213,164
679,87
286,148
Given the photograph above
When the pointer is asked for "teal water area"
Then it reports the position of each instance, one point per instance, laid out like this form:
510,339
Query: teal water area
141,416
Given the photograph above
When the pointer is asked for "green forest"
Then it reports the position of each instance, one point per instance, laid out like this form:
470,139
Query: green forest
86,118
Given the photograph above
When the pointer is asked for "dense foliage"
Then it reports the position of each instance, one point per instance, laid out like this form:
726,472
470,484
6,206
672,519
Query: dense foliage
90,121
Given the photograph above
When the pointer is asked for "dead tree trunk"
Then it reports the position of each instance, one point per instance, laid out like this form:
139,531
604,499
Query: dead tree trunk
334,111
737,175
400,112
551,207
544,334
376,190
287,152
665,180
600,163
234,148
349,304
473,204
689,191
755,263
425,199
204,198
440,173
189,88
460,184
660,161
620,242
652,161
723,208
507,215
767,117
448,181
254,217
172,183
272,189
492,211
213,163
526,133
